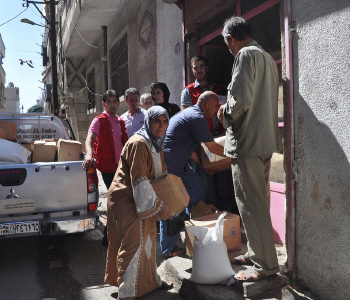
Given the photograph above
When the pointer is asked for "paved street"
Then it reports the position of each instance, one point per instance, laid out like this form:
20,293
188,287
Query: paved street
72,267
61,267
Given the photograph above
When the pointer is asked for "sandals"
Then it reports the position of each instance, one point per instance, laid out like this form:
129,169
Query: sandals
241,260
175,252
166,285
251,275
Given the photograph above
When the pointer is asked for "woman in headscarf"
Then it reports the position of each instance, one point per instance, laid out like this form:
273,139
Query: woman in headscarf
132,205
161,94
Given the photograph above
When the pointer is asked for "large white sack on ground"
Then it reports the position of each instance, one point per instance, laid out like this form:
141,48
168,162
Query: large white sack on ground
210,265
210,261
13,152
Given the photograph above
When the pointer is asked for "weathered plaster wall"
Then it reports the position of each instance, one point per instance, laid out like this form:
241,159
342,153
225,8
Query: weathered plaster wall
153,29
321,61
170,49
141,55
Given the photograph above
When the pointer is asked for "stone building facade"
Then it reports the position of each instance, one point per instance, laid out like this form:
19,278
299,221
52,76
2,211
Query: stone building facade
115,45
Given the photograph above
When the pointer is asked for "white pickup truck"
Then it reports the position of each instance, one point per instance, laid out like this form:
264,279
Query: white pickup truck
45,198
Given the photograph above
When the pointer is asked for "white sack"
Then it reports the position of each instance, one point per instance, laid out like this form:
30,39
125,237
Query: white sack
13,152
210,262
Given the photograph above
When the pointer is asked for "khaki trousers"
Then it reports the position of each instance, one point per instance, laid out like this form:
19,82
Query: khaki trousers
252,190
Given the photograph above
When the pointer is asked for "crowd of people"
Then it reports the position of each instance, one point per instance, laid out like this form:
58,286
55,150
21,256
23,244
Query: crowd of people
155,137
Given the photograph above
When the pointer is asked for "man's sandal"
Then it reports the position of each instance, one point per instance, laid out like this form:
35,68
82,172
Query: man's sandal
251,275
241,260
175,252
166,285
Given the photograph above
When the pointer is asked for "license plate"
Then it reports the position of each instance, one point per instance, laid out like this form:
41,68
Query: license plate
25,227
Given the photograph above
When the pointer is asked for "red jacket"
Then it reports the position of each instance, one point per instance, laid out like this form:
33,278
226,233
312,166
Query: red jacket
104,150
195,92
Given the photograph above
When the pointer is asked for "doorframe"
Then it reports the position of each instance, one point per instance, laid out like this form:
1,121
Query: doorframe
250,14
289,134
290,182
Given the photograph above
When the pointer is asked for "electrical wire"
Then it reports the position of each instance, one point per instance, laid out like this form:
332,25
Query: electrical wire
85,40
37,8
63,93
14,17
35,13
19,50
86,87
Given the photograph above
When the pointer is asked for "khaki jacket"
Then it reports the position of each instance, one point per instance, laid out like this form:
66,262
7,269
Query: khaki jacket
250,114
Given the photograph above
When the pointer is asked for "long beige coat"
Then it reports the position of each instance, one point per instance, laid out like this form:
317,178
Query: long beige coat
132,205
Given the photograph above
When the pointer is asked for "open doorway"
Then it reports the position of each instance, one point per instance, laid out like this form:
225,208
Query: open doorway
264,17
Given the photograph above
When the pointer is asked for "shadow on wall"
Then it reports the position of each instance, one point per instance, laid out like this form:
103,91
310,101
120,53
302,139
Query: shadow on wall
322,189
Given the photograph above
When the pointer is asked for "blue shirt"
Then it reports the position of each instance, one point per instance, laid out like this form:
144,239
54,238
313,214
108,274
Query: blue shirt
186,99
133,123
187,129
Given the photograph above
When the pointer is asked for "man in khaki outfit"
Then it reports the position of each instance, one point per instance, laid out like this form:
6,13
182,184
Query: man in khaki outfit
250,119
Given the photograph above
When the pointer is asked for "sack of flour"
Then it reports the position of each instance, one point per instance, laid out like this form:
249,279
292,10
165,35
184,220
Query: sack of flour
13,152
210,262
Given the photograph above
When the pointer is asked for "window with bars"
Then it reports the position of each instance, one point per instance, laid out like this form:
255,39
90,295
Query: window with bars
91,92
120,66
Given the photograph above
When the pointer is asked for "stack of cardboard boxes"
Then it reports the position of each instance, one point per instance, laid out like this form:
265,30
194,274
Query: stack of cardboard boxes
43,150
47,150
207,215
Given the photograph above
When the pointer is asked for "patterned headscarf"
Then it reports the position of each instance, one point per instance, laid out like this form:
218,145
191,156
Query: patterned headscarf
146,131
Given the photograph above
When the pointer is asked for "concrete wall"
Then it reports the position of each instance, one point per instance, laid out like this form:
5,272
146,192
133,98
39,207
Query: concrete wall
2,86
321,61
170,49
153,30
141,54
12,100
2,74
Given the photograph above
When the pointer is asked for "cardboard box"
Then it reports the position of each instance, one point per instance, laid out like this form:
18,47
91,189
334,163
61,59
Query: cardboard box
171,190
212,162
68,150
52,140
232,230
44,151
29,147
10,130
2,134
201,210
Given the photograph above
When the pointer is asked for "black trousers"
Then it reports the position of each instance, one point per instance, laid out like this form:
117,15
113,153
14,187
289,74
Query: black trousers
108,178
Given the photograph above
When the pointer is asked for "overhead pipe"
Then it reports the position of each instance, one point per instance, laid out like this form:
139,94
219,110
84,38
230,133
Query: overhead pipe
104,28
